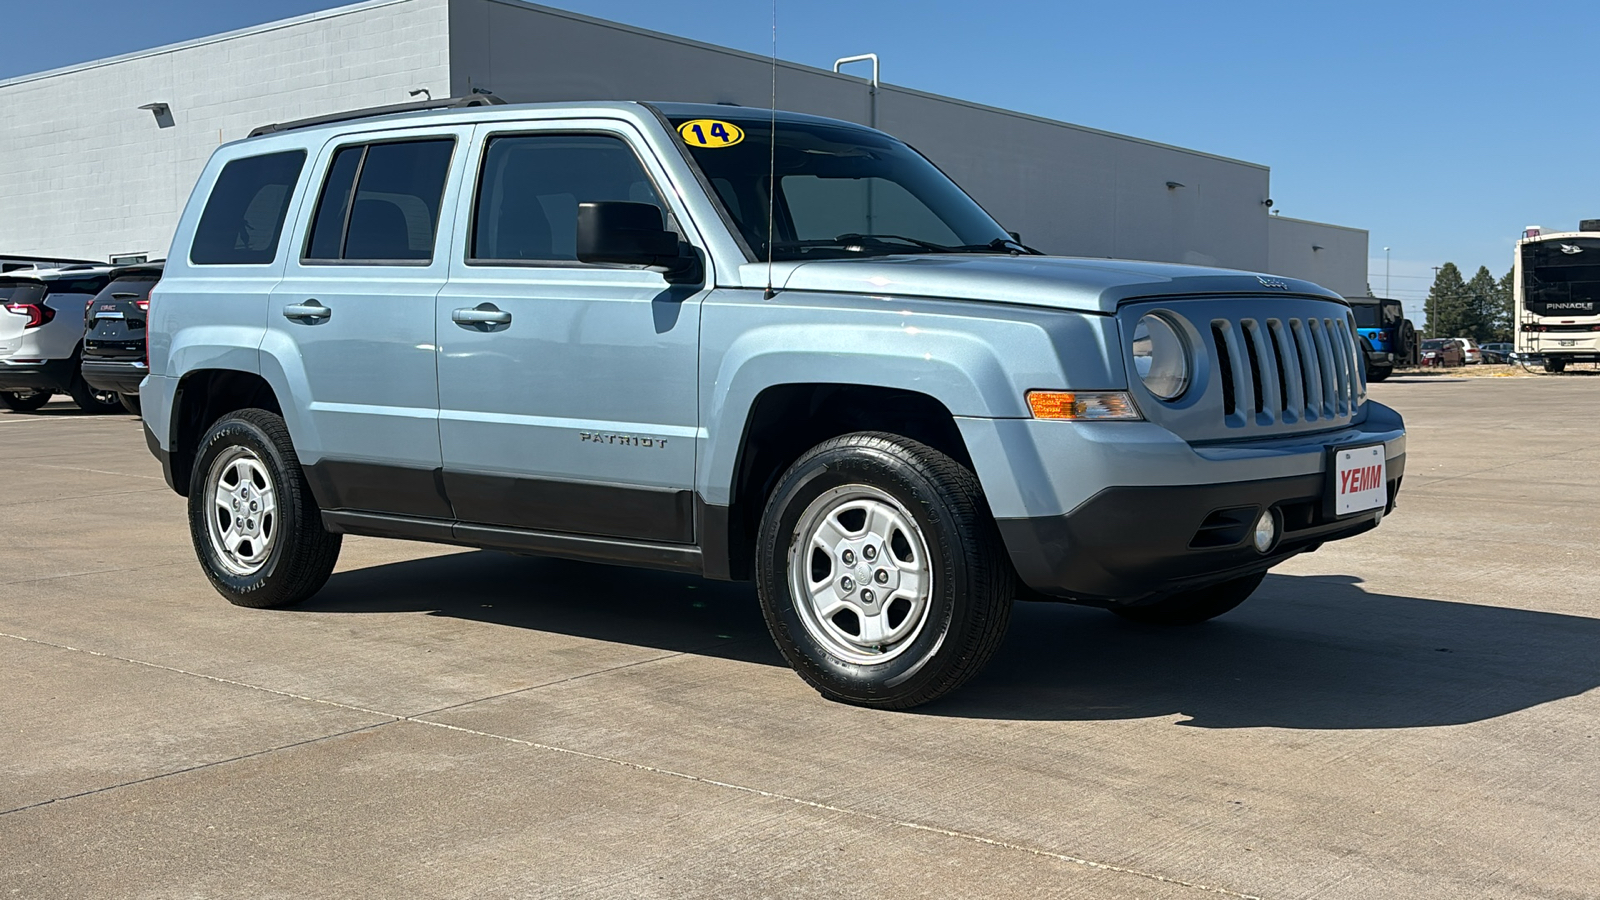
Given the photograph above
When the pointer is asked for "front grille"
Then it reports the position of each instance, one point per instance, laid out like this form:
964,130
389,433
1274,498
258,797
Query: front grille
1287,370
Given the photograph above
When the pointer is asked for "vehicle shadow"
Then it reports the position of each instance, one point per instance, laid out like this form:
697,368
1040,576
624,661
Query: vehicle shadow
1305,652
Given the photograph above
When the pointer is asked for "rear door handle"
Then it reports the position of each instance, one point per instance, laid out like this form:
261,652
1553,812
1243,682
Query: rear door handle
310,309
482,314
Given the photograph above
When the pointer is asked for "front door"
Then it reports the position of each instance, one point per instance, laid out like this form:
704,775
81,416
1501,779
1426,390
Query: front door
567,391
353,320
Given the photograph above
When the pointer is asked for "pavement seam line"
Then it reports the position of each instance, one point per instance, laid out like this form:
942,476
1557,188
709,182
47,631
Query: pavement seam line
649,769
227,681
535,687
194,768
80,575
579,677
95,471
815,804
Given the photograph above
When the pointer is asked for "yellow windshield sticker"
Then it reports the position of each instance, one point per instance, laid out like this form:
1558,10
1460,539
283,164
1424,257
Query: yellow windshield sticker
710,133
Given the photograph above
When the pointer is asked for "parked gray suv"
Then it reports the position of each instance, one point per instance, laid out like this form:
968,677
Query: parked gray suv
750,346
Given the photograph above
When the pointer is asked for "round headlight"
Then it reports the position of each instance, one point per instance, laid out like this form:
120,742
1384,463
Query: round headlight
1161,357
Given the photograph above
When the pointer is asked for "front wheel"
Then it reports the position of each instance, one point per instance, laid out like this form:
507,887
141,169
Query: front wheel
255,526
1196,606
1376,374
881,574
24,401
130,403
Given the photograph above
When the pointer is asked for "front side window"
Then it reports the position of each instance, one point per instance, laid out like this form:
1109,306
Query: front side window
380,202
528,195
244,215
838,191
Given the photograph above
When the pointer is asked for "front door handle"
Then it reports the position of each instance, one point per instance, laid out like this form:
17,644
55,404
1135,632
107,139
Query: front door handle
482,314
310,310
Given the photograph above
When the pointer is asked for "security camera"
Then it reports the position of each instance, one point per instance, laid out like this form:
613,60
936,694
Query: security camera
1267,203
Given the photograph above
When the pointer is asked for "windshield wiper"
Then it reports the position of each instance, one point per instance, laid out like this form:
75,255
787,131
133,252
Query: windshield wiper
854,240
859,242
999,245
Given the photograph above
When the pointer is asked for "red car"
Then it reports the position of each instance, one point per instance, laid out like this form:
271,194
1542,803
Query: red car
1442,352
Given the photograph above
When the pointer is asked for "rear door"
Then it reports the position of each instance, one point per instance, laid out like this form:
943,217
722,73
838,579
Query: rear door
352,320
576,411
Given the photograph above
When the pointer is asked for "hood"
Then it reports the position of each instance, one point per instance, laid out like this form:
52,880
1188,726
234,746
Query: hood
1085,285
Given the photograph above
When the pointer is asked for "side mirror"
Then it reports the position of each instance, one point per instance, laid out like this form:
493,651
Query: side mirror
632,234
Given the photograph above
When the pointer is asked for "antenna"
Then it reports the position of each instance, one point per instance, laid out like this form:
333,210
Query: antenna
772,153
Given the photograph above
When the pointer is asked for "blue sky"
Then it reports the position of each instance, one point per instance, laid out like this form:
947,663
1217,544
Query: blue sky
1441,127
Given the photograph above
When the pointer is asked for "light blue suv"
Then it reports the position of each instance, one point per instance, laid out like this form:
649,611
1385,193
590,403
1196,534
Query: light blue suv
749,346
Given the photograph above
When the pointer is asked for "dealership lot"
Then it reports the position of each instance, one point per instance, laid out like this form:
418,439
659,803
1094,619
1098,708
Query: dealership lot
1410,713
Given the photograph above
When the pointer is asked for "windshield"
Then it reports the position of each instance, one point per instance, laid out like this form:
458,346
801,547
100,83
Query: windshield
841,192
1561,277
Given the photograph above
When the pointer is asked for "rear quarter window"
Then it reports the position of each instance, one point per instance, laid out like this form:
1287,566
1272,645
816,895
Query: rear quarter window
243,218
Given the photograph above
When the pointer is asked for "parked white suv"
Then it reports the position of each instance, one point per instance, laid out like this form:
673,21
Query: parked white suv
41,336
1470,349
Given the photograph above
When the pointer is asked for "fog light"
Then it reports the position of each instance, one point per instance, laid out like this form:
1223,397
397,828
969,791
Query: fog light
1266,533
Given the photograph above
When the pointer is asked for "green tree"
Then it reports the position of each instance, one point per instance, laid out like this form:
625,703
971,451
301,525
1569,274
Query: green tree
1482,307
1446,306
1505,322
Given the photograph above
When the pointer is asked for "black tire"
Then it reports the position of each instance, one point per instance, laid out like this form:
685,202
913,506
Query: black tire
1196,606
1555,366
130,403
24,401
301,552
91,401
973,585
1406,343
1376,374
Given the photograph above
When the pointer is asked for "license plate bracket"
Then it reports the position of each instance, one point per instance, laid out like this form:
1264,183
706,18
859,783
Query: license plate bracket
1357,481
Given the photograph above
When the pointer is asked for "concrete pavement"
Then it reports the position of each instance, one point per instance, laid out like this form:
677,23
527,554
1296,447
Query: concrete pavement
1411,713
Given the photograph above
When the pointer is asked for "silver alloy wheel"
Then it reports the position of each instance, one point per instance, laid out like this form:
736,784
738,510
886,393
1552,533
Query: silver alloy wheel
241,510
860,574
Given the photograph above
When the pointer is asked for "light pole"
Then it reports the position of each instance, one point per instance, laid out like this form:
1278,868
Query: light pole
1386,273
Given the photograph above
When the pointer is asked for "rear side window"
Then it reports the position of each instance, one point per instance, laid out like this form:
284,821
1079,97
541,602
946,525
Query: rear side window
528,194
380,202
243,218
129,287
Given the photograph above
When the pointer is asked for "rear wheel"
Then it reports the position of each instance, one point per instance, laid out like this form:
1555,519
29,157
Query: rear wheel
881,574
24,401
255,526
1379,373
130,402
93,401
1555,365
1196,606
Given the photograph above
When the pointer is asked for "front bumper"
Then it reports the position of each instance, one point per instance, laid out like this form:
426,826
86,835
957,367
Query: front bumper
1104,512
1128,543
120,375
50,375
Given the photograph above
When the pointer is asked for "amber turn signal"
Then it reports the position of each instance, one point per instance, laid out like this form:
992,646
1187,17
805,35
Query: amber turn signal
1086,405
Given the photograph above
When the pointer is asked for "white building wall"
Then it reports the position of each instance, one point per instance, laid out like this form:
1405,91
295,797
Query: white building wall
85,173
1333,256
1067,189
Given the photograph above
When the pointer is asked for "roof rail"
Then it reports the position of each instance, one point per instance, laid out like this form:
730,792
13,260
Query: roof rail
478,99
